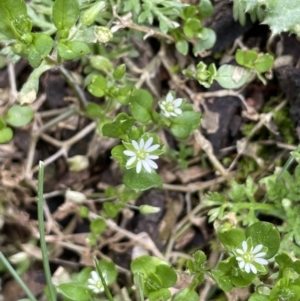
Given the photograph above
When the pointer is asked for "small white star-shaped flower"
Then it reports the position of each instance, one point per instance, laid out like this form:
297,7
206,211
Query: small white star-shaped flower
141,155
170,106
95,283
249,255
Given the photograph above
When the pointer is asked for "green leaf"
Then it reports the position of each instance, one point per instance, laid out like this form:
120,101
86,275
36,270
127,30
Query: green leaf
97,226
191,27
264,63
231,238
41,46
206,40
142,181
6,134
94,110
182,46
89,16
183,125
162,294
206,9
65,13
258,297
19,115
118,128
72,49
266,234
222,279
98,85
186,294
74,291
232,77
29,90
166,274
119,72
111,209
141,102
246,58
109,270
13,13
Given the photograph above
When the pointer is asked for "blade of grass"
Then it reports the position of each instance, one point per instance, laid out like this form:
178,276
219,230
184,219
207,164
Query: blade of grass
17,277
42,232
106,289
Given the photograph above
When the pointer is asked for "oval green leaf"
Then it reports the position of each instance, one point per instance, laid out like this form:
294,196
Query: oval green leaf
6,134
74,291
19,115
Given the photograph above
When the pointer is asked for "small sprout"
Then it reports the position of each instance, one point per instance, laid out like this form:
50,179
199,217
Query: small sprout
170,106
141,155
250,258
95,283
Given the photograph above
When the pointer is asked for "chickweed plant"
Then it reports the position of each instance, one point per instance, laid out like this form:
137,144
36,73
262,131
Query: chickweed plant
252,253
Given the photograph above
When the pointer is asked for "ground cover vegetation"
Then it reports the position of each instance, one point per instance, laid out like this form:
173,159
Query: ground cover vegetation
149,150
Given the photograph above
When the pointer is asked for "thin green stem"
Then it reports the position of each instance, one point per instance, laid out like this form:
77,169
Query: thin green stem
42,233
106,289
17,277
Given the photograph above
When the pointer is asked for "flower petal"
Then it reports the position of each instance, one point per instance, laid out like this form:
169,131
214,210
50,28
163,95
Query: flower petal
151,163
95,276
169,97
148,143
129,153
152,148
139,167
239,251
178,111
247,267
142,143
239,258
242,264
146,165
253,268
245,246
91,281
131,161
261,261
135,144
177,102
257,248
167,114
261,254
152,157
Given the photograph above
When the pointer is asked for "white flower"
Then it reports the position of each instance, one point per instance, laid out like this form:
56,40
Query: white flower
249,256
95,283
170,106
141,155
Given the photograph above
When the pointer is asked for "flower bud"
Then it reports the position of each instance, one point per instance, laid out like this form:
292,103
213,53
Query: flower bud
146,209
78,163
18,257
75,196
103,34
90,15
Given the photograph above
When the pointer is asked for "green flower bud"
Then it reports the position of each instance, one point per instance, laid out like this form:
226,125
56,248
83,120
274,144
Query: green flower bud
78,163
103,34
146,209
90,15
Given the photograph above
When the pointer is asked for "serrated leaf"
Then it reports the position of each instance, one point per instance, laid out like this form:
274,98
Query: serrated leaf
65,13
19,115
72,49
232,77
283,16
